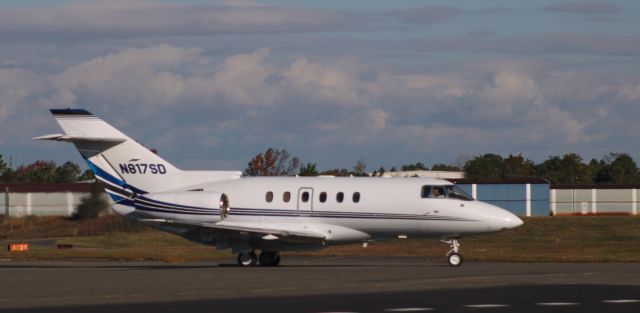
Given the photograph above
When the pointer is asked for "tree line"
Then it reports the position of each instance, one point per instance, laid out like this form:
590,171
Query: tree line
43,172
570,168
90,206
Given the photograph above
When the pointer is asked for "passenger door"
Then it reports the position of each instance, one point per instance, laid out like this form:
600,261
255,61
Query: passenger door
305,201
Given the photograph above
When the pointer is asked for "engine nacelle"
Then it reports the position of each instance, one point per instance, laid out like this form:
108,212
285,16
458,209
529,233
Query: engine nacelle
195,203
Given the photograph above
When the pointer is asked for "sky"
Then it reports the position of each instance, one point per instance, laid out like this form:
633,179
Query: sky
210,84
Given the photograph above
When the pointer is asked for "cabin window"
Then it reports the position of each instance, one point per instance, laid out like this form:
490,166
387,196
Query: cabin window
269,196
286,196
340,197
356,197
323,197
305,196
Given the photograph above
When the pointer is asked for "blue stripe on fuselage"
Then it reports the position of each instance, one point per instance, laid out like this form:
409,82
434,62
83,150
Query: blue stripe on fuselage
112,179
104,175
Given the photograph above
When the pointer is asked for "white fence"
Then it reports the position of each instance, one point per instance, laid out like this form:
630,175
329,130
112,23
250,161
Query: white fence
611,200
43,200
43,204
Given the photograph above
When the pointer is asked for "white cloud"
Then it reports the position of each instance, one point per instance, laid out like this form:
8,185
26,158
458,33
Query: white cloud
135,18
17,86
323,82
132,77
548,43
251,75
629,92
508,92
165,75
242,79
251,85
377,119
427,15
445,85
586,7
254,99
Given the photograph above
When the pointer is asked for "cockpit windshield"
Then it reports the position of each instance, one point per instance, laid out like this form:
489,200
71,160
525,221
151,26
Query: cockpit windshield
457,193
446,191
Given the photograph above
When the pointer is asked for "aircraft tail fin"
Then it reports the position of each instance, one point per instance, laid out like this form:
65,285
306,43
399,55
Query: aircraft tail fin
125,166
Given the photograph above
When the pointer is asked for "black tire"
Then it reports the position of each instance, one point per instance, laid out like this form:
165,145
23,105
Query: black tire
247,259
454,259
269,258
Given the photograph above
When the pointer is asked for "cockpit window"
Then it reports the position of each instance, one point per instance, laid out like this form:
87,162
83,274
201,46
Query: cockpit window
433,192
455,192
426,192
438,192
447,191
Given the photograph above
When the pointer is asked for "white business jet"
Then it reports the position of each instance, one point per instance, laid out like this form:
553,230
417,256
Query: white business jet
272,214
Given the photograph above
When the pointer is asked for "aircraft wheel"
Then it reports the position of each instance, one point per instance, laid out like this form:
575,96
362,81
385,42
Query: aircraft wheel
454,259
269,258
247,259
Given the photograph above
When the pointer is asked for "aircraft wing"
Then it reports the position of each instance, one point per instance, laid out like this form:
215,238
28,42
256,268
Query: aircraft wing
285,232
277,232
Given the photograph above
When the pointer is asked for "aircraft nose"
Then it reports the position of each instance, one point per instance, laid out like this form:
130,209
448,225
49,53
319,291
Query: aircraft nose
511,220
501,219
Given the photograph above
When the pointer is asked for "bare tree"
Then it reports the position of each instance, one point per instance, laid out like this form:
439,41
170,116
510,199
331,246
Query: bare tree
273,162
360,168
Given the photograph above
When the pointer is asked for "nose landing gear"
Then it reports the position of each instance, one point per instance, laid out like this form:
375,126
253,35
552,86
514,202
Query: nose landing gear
454,258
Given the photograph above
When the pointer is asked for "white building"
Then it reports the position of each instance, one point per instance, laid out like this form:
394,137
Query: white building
38,199
422,173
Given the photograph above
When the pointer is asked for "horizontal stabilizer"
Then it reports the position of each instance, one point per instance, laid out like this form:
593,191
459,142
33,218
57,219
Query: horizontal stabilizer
67,138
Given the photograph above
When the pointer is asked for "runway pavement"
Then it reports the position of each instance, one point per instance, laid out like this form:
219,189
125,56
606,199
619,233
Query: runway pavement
307,284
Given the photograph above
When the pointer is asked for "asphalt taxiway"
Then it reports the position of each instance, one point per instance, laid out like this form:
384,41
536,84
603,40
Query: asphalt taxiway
308,284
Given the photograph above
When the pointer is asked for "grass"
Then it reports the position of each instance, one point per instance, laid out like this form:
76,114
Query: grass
540,239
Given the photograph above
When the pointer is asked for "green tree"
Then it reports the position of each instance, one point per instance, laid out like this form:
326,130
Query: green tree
3,164
570,169
38,171
444,167
337,172
273,163
87,175
485,167
93,205
551,169
618,168
419,166
308,170
67,173
3,168
516,166
9,175
596,167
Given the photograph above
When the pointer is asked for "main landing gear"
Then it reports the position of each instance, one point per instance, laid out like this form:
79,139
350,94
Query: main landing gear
247,258
453,257
266,258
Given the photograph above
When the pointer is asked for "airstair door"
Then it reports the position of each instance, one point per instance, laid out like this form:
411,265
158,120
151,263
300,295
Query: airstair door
305,201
